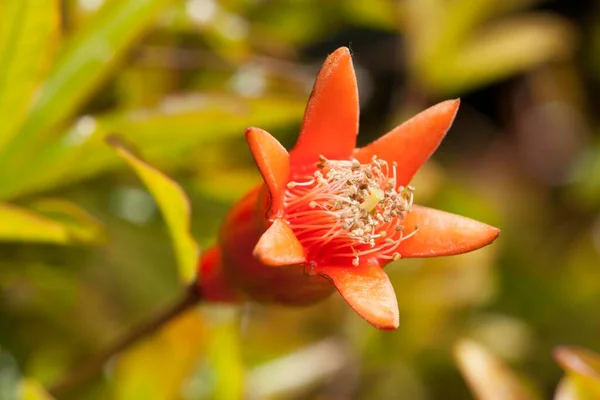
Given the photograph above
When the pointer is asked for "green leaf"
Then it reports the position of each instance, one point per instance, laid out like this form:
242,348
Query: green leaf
225,356
174,205
229,185
566,390
85,63
19,224
504,49
9,377
13,387
28,33
488,377
140,372
166,133
82,226
462,17
586,177
48,221
377,13
583,371
32,390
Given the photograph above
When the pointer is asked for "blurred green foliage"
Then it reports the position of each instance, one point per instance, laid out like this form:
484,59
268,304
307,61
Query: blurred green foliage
86,246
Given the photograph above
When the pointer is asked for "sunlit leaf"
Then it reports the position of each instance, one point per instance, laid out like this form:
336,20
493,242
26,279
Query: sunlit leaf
228,186
82,226
279,378
378,13
85,62
50,221
488,377
28,33
13,387
501,50
224,353
32,390
9,377
566,390
462,17
586,174
174,205
583,370
277,27
166,133
157,368
424,24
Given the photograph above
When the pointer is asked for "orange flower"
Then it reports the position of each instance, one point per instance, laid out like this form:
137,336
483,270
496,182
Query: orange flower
332,215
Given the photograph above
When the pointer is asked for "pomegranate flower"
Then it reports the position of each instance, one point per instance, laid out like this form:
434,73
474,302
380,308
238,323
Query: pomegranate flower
330,215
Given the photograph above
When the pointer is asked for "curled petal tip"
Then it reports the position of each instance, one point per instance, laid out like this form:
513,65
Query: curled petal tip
279,247
340,52
410,144
330,121
493,233
441,234
368,290
273,162
454,103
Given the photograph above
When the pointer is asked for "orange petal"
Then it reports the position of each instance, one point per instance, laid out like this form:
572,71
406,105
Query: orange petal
331,119
278,246
273,161
413,142
368,290
443,234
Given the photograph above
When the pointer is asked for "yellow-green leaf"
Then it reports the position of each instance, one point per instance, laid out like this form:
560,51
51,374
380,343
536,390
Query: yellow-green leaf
174,206
32,390
225,356
190,120
566,390
488,377
82,226
583,371
85,62
28,34
54,221
157,368
504,49
9,377
229,185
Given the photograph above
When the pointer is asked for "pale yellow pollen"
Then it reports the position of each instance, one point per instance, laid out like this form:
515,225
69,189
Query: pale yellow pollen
376,196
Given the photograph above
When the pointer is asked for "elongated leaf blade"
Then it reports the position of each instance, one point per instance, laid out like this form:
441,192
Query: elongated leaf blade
81,225
48,221
29,30
140,372
173,203
488,377
504,49
32,390
583,372
166,132
85,62
9,377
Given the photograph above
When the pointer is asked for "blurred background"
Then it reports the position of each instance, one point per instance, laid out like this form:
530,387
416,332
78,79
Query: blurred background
85,253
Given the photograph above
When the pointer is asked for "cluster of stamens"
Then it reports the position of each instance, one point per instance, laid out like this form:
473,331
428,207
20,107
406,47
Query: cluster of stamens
347,210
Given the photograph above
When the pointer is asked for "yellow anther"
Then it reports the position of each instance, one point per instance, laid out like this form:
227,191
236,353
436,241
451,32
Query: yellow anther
376,195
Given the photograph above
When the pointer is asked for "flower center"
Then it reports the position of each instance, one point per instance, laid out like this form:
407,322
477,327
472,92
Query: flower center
347,211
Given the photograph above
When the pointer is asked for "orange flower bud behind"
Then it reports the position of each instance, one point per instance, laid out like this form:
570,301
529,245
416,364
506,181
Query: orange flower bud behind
239,268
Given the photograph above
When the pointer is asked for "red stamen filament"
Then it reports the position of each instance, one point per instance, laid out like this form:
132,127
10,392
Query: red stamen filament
347,211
